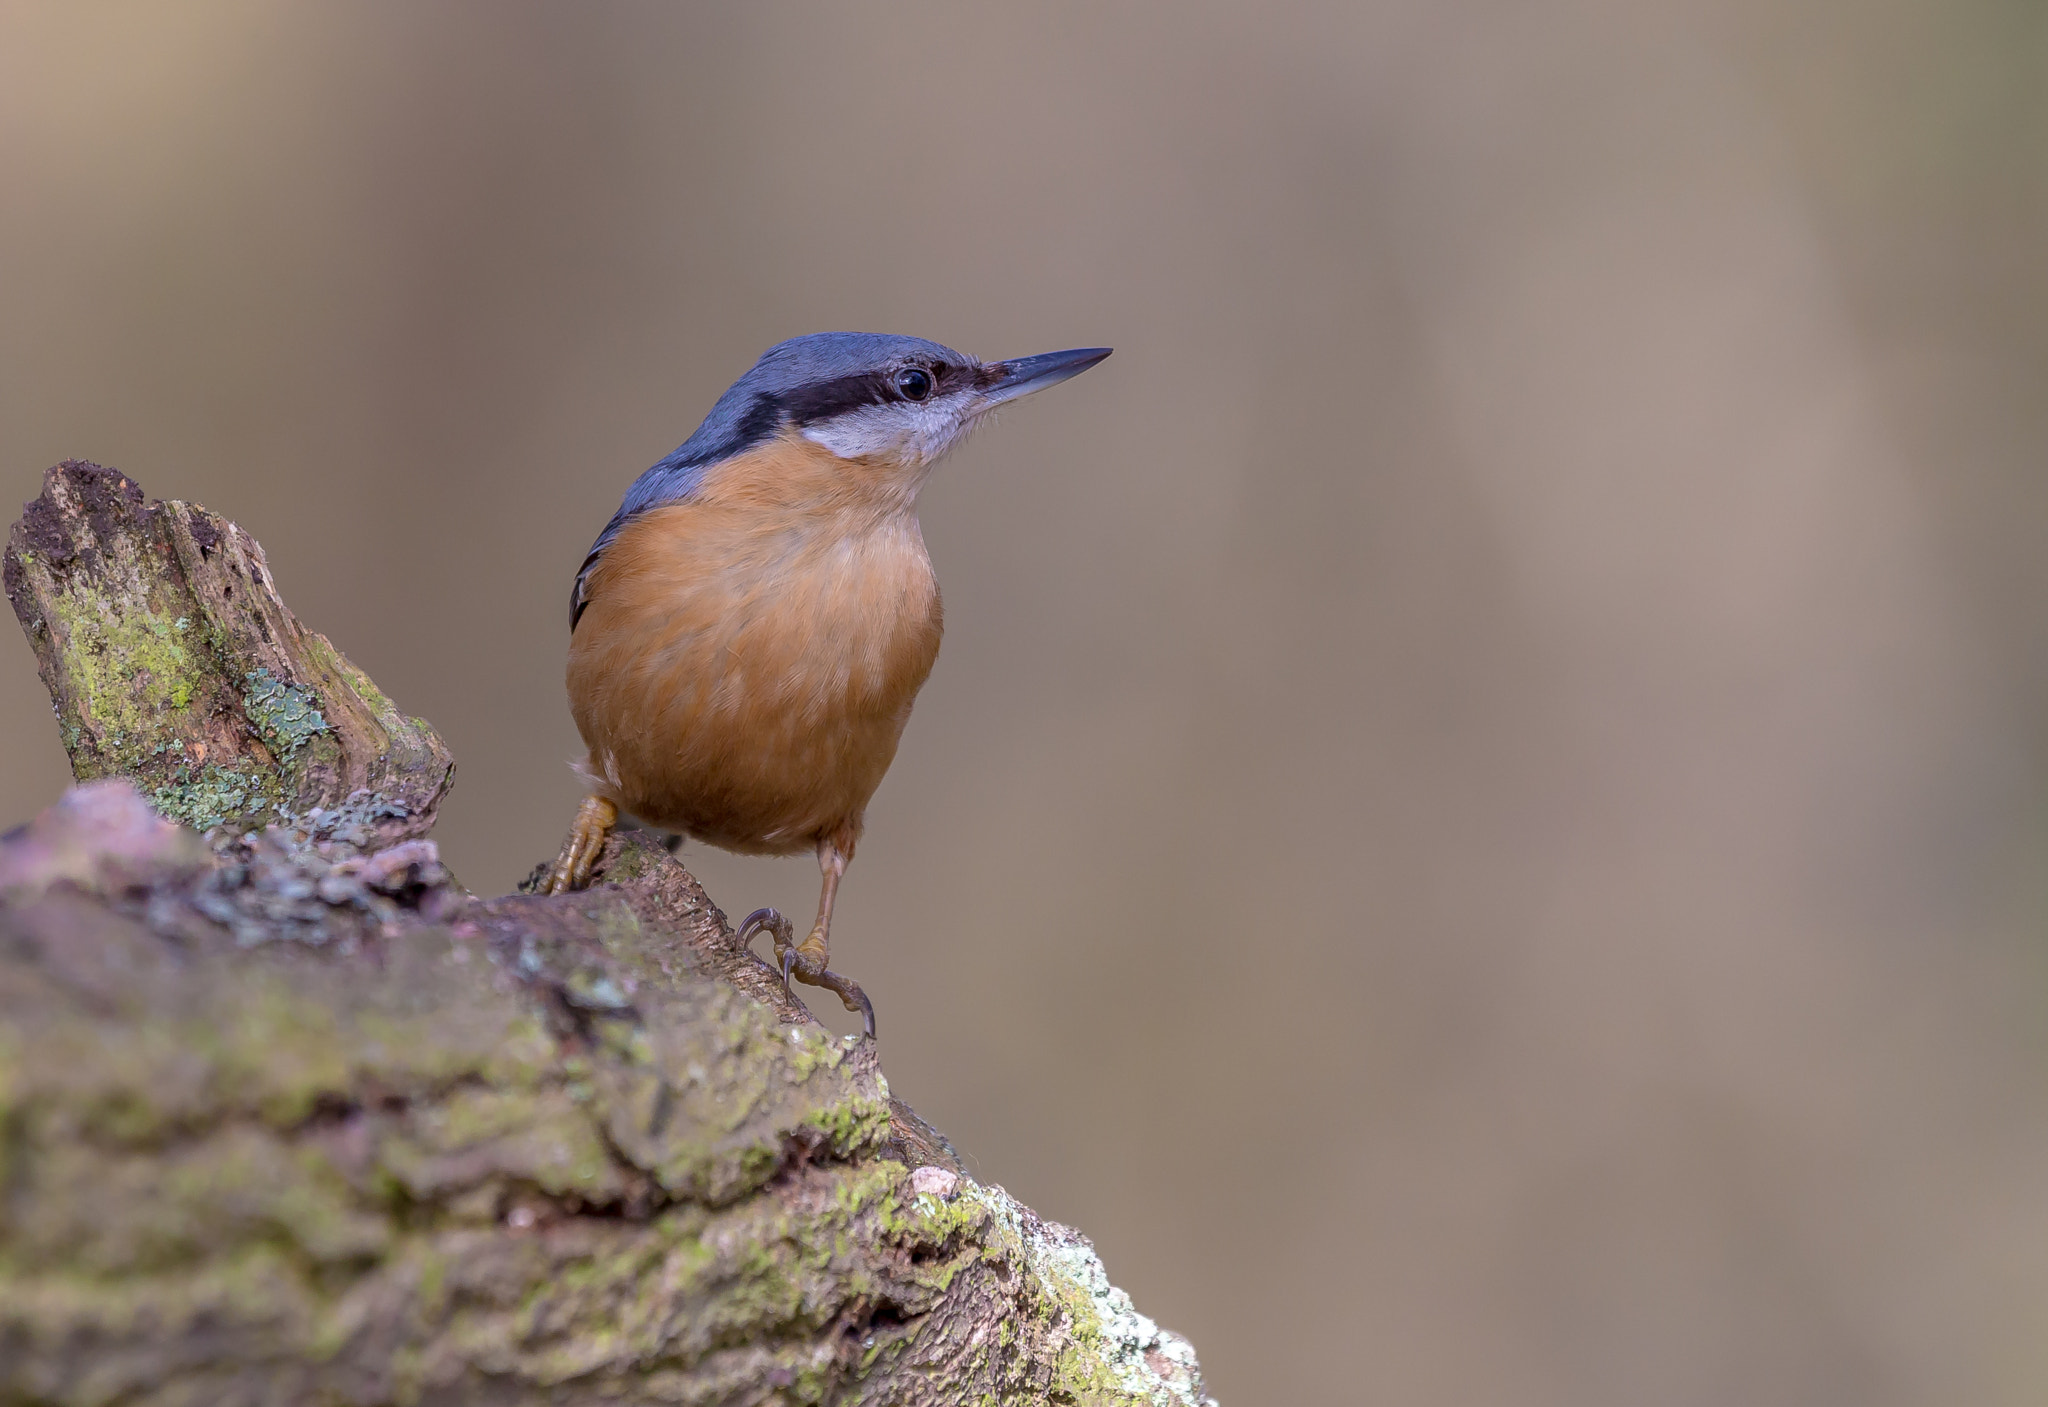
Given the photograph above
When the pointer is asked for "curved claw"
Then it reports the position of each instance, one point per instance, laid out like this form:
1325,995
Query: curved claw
771,922
759,921
854,998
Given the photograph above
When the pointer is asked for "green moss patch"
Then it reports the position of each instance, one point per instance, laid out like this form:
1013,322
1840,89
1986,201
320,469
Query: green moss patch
128,669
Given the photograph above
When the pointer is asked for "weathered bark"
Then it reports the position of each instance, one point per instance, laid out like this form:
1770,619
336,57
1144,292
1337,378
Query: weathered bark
287,1116
171,661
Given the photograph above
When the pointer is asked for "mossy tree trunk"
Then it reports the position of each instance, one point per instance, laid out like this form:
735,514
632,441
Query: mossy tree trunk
287,1116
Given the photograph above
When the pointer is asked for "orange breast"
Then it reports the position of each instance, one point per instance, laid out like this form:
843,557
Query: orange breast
747,660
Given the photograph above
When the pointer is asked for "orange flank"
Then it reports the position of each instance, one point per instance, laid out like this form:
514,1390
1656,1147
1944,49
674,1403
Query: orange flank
748,658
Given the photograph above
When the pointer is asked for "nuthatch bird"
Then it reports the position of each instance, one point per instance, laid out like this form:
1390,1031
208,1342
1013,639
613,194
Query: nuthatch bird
751,627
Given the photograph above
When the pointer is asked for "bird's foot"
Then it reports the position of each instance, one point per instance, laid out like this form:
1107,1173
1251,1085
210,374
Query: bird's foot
593,825
805,962
770,922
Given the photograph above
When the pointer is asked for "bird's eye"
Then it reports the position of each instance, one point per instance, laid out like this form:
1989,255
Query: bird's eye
914,383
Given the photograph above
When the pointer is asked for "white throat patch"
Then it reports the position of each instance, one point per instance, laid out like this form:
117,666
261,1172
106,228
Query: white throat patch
912,433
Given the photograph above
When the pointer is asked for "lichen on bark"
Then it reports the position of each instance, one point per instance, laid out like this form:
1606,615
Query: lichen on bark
290,1116
172,661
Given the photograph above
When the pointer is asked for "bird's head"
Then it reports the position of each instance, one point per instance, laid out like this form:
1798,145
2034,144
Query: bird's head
889,402
900,400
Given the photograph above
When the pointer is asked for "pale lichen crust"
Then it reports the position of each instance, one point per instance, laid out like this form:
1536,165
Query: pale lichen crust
1110,1352
284,715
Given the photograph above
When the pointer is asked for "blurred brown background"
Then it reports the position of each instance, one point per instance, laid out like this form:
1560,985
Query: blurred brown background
1480,825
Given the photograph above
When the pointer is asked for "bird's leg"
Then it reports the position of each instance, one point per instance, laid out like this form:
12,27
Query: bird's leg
808,958
594,821
805,961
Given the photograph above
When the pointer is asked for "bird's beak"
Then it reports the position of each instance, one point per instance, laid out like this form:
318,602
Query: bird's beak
1027,374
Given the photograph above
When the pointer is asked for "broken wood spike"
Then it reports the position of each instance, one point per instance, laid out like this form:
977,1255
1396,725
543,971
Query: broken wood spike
171,660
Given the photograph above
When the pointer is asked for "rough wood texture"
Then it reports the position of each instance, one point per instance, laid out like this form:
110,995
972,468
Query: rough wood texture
292,1119
172,661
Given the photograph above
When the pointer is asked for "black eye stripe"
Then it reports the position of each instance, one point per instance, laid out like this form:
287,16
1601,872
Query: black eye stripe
807,405
822,400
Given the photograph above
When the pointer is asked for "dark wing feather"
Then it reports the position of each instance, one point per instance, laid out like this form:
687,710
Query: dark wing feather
578,599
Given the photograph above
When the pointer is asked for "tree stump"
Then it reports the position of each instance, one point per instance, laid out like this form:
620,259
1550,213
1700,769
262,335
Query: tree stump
288,1116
